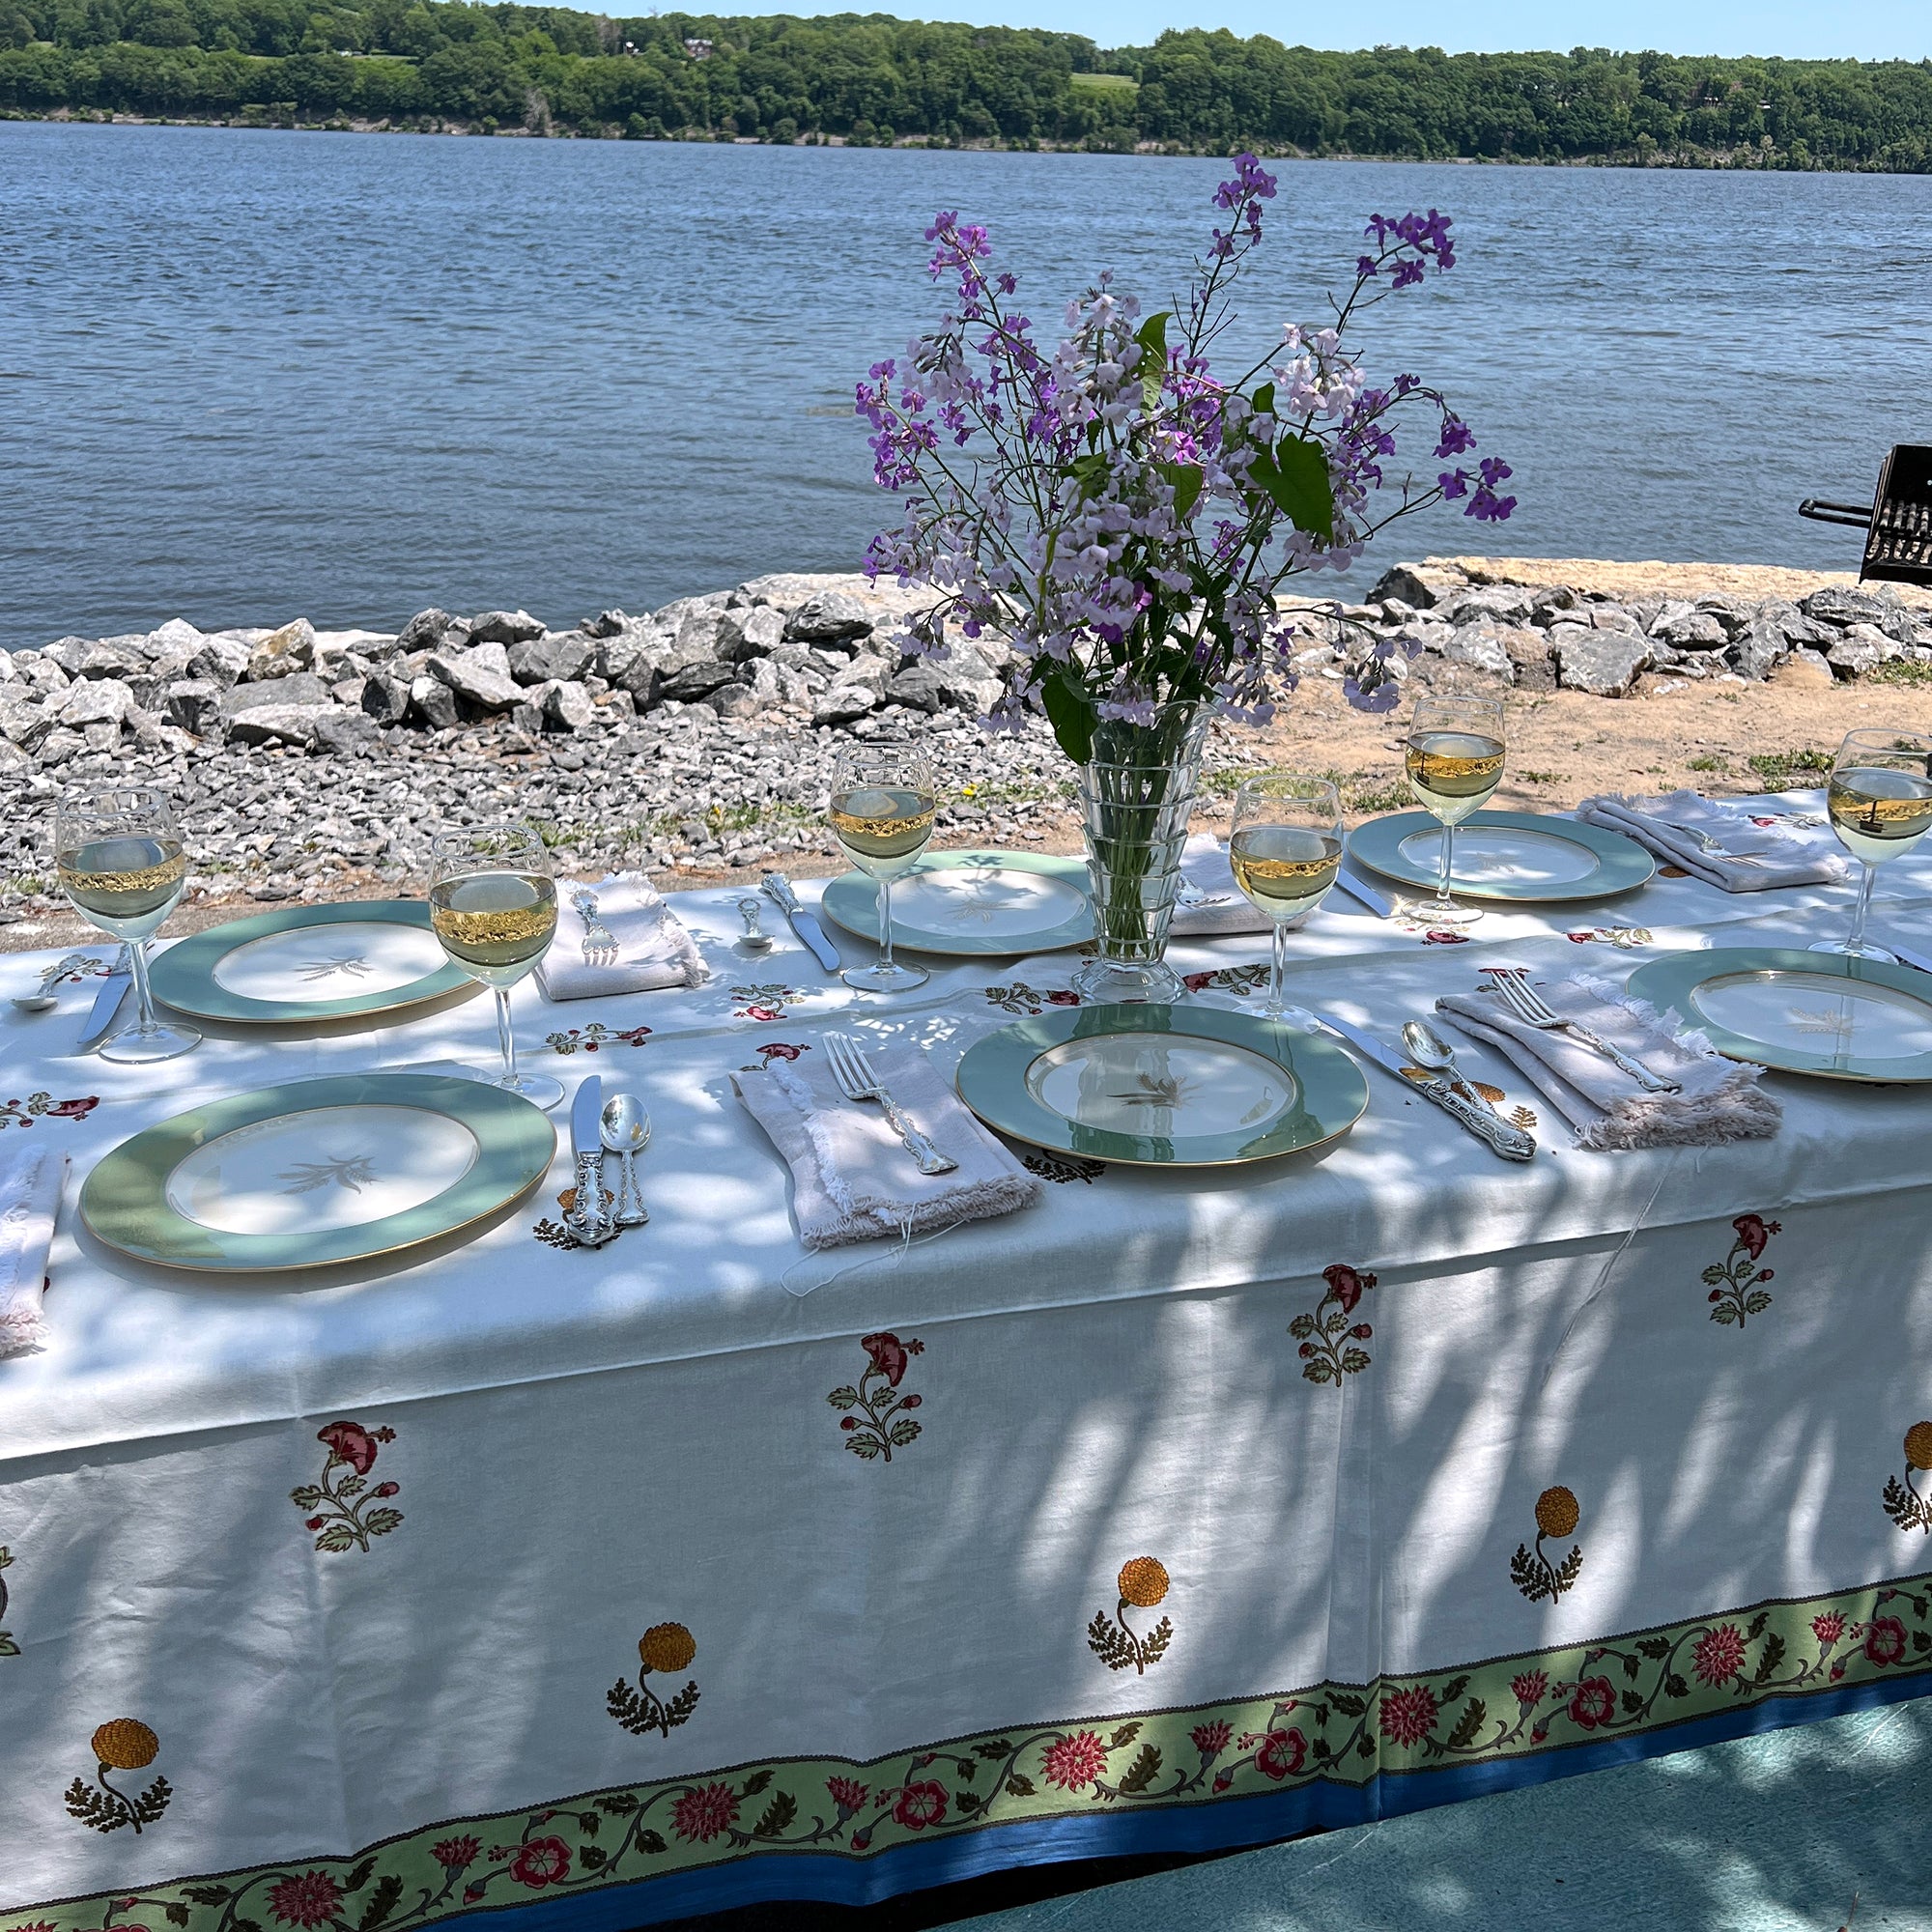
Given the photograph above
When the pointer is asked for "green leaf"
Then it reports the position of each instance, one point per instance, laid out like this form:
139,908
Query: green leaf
1350,1707
1297,477
991,1747
865,1446
1089,473
842,1397
1654,1647
1755,1627
965,1769
1724,1312
1152,336
350,1486
175,1912
1773,1656
589,1823
1675,1686
776,1816
1319,1750
1467,1725
1143,1771
1366,1746
337,1536
379,1522
205,1895
360,1877
1452,1690
756,1783
1301,1328
1633,1663
617,1804
1633,1700
1186,480
1070,712
1713,1275
1124,1735
382,1902
967,1801
1018,1787
1262,400
8,1647
306,1497
903,1429
651,1842
592,1857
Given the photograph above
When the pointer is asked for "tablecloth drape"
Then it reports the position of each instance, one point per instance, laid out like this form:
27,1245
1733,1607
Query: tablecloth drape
1183,1510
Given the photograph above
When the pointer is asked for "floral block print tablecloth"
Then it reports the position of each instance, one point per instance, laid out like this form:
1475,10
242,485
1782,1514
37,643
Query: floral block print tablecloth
1179,1511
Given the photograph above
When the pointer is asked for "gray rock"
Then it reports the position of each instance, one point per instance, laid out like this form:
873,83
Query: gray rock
112,659
827,616
282,652
7,672
1735,613
432,702
1506,603
564,654
481,676
95,700
693,681
15,763
347,734
176,635
1686,628
67,653
1529,651
1402,582
503,627
1478,646
751,632
1843,607
733,700
194,703
298,688
640,637
843,703
26,722
869,670
565,704
1550,599
1864,647
219,660
922,687
606,624
348,692
385,699
1761,647
58,747
1606,664
432,630
1610,617
280,724
1796,627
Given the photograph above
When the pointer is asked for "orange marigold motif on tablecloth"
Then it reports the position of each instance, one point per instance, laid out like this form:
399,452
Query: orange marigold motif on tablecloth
1905,1503
1557,1515
1142,1584
664,1649
122,1743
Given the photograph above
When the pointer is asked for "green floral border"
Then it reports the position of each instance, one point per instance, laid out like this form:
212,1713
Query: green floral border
1504,1709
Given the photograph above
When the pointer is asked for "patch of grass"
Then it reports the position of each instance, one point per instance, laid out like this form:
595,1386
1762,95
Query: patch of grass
1102,83
1900,670
1779,771
1541,778
1708,762
1375,794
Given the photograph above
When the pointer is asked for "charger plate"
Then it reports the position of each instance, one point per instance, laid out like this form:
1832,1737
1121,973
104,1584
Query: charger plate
1527,857
972,904
1163,1086
323,962
318,1172
1802,1013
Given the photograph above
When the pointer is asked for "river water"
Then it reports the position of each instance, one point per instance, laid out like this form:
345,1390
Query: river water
249,374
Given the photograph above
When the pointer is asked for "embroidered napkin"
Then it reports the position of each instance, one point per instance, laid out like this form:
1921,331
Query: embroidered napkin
1203,866
1752,850
1720,1100
851,1179
653,947
30,1194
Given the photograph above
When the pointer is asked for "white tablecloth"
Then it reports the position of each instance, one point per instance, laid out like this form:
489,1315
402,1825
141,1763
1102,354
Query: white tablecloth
1218,1504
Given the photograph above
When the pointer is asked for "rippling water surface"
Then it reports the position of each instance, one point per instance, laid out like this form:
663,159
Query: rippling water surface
245,375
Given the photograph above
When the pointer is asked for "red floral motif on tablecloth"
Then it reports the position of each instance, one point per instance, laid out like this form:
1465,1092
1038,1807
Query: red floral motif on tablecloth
1735,1283
344,1512
1330,1347
875,1417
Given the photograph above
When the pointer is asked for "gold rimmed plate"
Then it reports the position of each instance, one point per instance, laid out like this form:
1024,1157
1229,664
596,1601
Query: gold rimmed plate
1163,1086
973,904
325,963
317,1173
1526,856
1820,1014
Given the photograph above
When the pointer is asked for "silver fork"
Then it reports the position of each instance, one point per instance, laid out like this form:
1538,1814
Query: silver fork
1190,897
1530,1007
600,943
849,1069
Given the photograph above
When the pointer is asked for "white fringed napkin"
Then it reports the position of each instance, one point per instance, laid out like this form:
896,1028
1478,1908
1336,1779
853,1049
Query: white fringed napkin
30,1196
654,950
1720,1100
1204,864
1752,857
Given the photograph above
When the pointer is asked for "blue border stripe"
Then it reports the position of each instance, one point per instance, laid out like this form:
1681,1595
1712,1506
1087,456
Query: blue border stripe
836,1879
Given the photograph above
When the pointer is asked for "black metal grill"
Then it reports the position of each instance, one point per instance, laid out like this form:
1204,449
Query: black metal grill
1897,521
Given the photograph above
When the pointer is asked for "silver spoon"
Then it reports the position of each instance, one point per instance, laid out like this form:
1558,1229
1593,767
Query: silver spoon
751,939
1427,1048
625,1129
45,1000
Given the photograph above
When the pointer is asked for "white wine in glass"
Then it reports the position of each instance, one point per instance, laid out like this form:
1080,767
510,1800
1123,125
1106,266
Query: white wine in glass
884,804
1880,800
492,908
1454,759
1285,848
119,855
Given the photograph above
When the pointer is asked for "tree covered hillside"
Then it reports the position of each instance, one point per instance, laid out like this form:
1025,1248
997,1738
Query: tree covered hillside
866,77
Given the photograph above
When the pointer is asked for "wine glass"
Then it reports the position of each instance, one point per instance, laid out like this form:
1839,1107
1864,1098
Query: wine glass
1880,800
492,908
883,801
1285,848
1454,759
117,851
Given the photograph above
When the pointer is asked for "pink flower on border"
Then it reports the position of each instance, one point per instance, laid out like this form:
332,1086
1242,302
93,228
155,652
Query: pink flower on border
1407,1716
453,1854
704,1812
1718,1655
540,1863
1594,1702
1530,1687
847,1793
1210,1740
1828,1628
1282,1754
1885,1641
1073,1761
921,1804
312,1899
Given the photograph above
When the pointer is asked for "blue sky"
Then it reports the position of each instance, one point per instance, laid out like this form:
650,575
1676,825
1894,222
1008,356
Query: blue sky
1814,29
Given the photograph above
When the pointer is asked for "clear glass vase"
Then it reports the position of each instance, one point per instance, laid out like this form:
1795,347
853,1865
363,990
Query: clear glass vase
1136,796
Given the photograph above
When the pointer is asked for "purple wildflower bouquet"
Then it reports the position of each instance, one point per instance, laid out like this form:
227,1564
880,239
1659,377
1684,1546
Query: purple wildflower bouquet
1125,516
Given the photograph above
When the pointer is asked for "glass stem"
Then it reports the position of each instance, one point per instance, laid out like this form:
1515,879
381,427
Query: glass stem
1279,966
1857,942
505,1039
885,924
1448,863
144,999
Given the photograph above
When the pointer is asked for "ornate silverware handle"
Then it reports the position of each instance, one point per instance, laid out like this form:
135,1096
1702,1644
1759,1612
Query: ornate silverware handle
930,1158
777,888
586,1219
1488,1125
1653,1083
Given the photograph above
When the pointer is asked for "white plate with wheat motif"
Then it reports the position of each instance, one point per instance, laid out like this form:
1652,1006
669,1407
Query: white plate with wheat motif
309,963
971,904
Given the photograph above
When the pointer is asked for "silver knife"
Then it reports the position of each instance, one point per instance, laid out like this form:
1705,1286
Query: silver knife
588,1220
1358,888
107,1003
811,935
1487,1126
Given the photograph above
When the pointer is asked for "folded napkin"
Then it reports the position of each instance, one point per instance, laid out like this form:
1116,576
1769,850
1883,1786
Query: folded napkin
1755,850
653,947
30,1194
1720,1102
1204,864
851,1179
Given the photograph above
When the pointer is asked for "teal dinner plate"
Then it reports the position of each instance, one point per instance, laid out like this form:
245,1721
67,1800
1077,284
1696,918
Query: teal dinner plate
973,903
1800,1012
321,962
1528,857
318,1172
1163,1086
